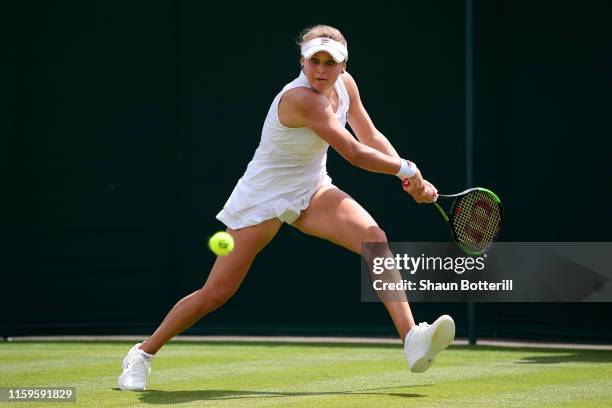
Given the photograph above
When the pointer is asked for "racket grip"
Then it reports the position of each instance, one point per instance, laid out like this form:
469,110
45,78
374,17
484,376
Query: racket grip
406,183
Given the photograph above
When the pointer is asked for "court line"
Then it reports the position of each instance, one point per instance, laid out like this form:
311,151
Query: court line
315,340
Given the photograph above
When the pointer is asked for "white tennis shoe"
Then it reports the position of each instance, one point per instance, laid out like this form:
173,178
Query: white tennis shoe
424,342
136,368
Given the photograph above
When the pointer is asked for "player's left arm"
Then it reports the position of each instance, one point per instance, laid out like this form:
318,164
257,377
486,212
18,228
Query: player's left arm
367,134
361,123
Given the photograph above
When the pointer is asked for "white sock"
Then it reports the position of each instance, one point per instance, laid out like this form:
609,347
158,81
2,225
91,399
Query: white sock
146,355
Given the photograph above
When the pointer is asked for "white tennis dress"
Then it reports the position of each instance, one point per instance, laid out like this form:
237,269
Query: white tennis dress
288,167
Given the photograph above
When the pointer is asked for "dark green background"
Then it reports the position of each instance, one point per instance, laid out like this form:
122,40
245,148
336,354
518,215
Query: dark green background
128,124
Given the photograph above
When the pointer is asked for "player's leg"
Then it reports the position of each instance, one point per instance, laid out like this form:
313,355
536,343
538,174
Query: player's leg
223,281
335,216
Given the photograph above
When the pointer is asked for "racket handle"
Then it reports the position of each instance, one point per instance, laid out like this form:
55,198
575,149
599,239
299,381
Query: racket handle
406,183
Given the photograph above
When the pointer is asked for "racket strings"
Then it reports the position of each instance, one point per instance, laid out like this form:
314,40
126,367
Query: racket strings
477,218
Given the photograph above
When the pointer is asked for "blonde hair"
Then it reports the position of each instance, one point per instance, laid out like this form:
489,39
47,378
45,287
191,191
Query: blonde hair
321,30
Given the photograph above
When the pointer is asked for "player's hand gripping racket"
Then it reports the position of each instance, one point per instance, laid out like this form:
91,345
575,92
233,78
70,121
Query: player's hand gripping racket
474,216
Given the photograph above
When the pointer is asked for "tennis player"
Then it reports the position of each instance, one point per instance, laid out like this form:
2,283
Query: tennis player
287,182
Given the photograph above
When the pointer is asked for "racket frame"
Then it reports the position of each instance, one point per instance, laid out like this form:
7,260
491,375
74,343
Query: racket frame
447,217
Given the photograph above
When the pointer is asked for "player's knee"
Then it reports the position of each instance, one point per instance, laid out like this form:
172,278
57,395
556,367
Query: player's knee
211,299
375,234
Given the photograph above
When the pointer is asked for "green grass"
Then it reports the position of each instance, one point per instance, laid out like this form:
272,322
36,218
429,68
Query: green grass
302,375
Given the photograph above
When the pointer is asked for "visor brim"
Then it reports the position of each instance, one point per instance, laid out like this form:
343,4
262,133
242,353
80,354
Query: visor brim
335,54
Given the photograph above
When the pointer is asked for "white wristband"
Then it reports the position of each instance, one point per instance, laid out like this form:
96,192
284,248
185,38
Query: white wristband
407,169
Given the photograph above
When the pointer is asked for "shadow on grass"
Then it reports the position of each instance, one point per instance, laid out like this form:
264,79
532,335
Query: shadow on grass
178,397
569,356
548,355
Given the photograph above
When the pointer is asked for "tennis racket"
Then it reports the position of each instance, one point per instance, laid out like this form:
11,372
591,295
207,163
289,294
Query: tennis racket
474,216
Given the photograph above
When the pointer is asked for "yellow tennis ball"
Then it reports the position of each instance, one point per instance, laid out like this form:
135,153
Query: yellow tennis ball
221,243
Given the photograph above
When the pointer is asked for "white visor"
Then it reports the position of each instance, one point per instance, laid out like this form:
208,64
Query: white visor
337,50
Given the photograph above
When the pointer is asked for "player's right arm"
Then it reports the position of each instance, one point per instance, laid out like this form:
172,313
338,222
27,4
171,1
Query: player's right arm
303,107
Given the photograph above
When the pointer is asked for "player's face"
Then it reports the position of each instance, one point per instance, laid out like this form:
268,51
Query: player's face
322,71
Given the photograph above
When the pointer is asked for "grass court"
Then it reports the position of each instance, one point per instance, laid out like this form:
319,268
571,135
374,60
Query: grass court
251,375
